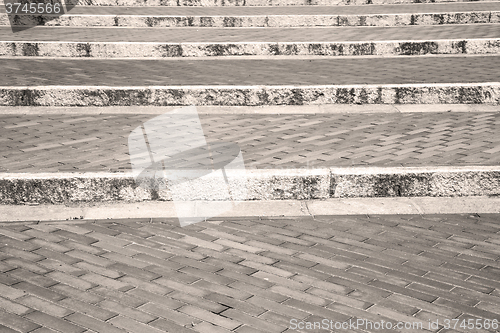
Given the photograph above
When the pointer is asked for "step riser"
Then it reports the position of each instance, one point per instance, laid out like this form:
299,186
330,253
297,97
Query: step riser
483,93
264,185
169,50
389,20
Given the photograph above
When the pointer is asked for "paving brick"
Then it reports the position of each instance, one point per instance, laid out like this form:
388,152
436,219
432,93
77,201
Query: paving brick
5,329
162,311
328,286
230,302
112,248
93,324
34,278
200,302
266,268
205,327
167,273
277,307
77,294
202,243
465,308
245,278
443,294
270,247
344,275
21,236
44,306
131,231
87,309
71,280
18,323
430,307
80,239
138,315
225,290
98,270
210,277
13,307
99,229
128,325
169,326
29,256
192,290
147,296
10,292
218,320
167,264
107,282
327,262
133,271
90,258
230,266
197,264
256,291
150,287
53,322
240,254
301,270
224,256
365,292
317,310
26,265
117,296
139,240
377,275
277,280
41,292
403,291
55,255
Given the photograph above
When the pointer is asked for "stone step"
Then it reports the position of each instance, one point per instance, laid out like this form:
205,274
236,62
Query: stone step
290,16
229,81
74,157
208,42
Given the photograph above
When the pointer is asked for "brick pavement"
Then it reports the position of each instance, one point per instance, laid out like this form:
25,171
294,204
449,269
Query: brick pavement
245,72
250,274
247,35
51,143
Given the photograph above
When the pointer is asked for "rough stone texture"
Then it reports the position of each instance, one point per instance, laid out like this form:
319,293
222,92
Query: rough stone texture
147,50
56,189
481,93
264,185
380,20
434,184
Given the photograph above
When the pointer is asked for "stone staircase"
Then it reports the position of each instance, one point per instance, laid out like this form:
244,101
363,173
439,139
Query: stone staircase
245,57
337,37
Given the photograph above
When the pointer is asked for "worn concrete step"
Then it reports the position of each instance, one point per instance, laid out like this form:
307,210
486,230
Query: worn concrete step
290,16
277,81
206,42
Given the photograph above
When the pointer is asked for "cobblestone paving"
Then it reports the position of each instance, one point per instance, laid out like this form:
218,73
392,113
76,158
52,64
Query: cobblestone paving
399,70
249,274
100,142
232,35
